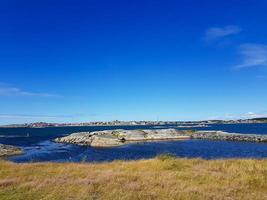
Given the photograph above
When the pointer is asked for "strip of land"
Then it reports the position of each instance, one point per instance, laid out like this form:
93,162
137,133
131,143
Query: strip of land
140,123
110,138
161,178
220,135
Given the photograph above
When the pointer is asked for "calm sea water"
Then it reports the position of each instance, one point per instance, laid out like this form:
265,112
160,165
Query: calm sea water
39,147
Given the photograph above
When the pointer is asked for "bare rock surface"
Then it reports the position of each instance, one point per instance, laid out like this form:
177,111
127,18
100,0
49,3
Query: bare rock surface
105,141
111,138
220,135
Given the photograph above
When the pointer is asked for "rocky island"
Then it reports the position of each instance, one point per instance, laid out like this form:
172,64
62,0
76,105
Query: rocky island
111,138
8,150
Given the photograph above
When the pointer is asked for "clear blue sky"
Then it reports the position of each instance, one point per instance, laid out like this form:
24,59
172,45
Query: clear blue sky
90,60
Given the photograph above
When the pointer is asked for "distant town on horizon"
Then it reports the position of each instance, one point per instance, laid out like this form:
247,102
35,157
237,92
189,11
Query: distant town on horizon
201,123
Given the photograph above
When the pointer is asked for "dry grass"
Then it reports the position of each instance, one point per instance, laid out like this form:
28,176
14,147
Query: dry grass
160,178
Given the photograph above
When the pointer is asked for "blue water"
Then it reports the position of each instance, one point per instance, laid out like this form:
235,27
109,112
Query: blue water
38,145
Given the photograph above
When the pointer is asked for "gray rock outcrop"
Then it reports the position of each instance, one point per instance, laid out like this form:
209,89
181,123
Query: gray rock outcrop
120,137
8,150
220,135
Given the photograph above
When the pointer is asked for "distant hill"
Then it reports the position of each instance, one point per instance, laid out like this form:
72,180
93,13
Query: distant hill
260,119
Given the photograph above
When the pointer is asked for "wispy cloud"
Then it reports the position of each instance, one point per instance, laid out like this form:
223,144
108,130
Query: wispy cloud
6,90
253,55
215,33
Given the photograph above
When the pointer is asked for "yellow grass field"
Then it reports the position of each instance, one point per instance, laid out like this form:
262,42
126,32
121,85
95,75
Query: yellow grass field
161,178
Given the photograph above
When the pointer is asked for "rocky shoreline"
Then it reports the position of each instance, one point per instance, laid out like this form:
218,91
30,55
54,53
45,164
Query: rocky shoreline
111,138
8,150
220,135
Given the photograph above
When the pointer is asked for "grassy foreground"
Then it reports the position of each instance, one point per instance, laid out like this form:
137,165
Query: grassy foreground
160,178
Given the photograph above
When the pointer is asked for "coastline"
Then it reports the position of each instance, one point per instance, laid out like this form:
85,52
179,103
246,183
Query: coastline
41,142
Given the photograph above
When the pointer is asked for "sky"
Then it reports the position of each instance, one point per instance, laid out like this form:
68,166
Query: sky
100,60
